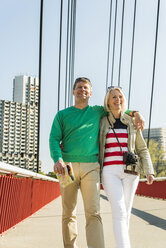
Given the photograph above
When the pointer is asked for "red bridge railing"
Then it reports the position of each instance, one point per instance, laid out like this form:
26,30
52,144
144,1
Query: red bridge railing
22,193
156,190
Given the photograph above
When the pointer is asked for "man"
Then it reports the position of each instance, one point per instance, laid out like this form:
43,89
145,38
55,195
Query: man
78,129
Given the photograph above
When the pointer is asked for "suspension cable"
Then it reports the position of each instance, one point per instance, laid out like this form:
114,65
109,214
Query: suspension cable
60,47
70,51
132,51
108,50
121,42
40,69
113,55
67,52
154,69
73,50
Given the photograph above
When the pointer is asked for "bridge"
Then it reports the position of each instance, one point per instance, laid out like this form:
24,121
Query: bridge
40,213
30,203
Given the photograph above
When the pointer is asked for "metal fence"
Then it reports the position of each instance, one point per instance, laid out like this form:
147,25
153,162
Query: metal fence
156,190
22,193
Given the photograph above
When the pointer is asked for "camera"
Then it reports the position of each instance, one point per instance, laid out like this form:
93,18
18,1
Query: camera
130,158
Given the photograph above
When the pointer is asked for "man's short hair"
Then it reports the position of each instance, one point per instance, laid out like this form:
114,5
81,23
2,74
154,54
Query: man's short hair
82,79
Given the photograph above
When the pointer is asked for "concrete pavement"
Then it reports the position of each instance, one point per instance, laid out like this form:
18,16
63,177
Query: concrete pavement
43,229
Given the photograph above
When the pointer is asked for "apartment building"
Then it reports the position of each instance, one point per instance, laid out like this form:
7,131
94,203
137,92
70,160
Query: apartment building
19,124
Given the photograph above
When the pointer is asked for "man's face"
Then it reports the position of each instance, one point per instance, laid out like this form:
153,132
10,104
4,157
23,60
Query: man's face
82,91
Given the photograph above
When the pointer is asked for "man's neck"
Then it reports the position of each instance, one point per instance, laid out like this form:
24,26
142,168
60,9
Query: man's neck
81,105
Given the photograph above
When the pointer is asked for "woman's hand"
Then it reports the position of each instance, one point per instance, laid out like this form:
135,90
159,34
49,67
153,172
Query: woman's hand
150,179
139,121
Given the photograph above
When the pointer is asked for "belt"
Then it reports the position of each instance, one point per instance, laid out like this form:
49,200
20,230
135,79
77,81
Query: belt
131,172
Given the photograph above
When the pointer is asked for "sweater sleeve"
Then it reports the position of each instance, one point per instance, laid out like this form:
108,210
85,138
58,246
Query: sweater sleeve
128,111
55,138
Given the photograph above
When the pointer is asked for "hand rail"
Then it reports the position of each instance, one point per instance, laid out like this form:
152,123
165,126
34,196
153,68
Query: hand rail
22,193
156,179
14,170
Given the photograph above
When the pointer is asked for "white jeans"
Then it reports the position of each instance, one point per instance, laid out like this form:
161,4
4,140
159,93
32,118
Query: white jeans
120,189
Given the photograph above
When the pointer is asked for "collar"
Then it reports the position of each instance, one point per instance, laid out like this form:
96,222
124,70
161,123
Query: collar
124,118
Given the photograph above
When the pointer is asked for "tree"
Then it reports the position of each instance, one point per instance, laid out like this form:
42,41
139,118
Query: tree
158,156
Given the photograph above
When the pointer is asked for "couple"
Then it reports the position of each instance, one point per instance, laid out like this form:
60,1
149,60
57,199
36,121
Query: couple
77,127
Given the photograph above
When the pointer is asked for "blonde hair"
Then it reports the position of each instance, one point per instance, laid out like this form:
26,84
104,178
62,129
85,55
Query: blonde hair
106,98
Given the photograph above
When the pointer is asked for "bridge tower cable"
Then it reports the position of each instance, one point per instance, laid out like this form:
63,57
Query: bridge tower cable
132,52
67,53
73,50
113,55
40,70
154,69
108,50
60,48
121,43
70,52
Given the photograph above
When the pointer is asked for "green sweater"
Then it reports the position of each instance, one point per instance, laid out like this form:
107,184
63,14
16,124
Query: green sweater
78,130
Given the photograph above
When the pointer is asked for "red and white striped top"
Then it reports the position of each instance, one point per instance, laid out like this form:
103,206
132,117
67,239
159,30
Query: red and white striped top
113,154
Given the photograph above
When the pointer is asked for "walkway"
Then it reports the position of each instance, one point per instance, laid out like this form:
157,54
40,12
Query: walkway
43,229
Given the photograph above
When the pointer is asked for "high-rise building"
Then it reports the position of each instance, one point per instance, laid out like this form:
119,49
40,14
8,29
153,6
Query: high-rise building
25,89
19,124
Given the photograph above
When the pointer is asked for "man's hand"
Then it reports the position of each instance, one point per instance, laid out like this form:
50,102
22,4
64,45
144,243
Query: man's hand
139,121
59,167
150,179
61,146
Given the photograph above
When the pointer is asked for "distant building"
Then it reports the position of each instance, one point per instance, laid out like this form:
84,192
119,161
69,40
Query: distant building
158,134
19,124
25,89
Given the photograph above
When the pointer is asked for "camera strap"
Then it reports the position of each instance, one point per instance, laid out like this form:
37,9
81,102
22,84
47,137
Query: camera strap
132,171
115,134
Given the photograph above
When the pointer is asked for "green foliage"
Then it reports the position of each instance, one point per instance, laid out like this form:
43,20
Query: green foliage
52,174
158,156
42,173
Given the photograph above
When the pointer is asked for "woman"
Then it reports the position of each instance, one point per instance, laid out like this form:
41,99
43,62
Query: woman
117,136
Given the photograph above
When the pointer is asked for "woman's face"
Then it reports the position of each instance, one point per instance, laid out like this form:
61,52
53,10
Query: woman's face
115,100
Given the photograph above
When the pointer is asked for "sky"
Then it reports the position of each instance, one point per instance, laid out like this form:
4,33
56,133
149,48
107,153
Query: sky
19,52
